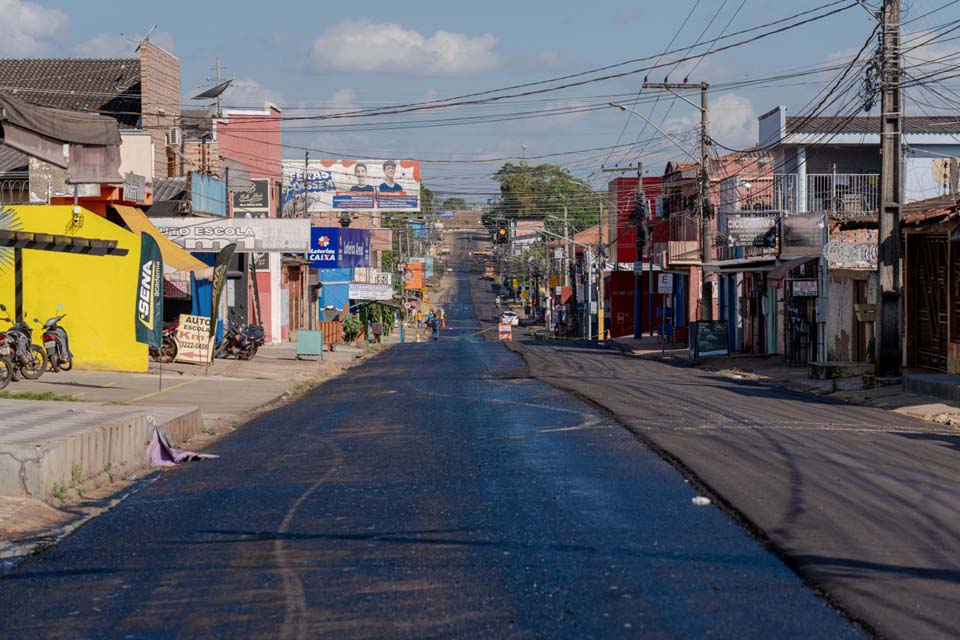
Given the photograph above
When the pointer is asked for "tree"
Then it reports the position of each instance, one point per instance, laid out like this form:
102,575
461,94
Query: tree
544,190
426,200
456,204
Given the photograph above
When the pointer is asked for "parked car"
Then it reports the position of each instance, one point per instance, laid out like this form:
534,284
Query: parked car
510,317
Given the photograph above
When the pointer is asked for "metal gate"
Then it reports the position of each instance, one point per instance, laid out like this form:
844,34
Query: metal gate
928,283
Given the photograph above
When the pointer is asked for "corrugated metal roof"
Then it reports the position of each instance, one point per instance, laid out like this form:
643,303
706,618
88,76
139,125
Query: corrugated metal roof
110,86
174,188
12,160
869,125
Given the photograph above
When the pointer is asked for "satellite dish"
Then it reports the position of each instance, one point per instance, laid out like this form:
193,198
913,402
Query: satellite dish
214,92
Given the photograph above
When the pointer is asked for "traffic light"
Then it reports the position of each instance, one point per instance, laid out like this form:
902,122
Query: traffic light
501,234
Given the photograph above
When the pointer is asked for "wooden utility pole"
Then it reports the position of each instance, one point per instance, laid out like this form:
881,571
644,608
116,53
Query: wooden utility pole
601,260
889,325
306,172
704,209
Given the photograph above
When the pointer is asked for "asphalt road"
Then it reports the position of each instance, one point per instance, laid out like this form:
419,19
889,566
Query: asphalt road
862,502
434,491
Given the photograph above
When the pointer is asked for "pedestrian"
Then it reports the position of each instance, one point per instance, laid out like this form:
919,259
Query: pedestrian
498,303
443,318
419,319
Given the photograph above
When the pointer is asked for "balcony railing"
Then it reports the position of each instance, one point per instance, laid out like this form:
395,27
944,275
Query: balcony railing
14,189
844,196
683,246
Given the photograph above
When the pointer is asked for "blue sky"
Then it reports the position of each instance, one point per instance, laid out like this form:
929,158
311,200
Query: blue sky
323,57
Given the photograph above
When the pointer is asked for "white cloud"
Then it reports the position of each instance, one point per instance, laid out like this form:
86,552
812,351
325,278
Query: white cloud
733,121
28,29
105,46
371,47
248,93
342,100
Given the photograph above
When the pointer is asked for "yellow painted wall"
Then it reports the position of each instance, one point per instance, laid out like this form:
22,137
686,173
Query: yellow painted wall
97,292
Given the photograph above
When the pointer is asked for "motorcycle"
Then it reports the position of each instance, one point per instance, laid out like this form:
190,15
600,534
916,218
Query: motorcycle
241,342
29,360
56,343
6,363
169,346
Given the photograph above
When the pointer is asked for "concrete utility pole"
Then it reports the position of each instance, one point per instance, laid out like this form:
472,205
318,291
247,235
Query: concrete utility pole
638,245
601,336
306,172
566,249
704,213
891,196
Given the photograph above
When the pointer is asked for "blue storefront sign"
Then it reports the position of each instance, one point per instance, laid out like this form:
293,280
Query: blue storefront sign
337,248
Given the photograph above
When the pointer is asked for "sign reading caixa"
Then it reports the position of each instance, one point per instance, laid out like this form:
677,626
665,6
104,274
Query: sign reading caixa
336,248
256,234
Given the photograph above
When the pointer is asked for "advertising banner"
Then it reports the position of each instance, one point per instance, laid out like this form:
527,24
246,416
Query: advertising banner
361,291
339,248
337,185
255,235
427,264
220,266
413,275
750,230
149,313
194,339
253,202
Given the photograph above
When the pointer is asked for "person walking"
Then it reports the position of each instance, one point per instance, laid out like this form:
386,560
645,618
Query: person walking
443,318
419,319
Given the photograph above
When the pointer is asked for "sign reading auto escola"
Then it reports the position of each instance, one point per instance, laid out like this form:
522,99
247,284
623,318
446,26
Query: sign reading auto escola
256,234
336,248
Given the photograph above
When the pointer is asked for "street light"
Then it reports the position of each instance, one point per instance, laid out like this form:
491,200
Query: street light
654,125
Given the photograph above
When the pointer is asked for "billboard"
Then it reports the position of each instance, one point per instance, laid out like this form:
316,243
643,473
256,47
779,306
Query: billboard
338,185
339,248
252,202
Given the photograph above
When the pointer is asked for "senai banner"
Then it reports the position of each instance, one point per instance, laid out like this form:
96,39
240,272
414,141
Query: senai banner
149,313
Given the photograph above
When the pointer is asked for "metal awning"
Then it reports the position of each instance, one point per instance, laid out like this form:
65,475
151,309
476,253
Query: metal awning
59,243
173,255
784,268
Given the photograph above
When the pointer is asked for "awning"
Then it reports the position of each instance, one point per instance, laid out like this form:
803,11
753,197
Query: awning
781,270
173,255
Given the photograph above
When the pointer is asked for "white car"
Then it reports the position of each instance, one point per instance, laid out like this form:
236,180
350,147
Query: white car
510,317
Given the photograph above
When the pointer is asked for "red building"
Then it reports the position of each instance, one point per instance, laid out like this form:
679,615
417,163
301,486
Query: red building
622,199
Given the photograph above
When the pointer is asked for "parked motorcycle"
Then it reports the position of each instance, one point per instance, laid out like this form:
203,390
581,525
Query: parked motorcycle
29,360
241,342
170,346
6,363
56,343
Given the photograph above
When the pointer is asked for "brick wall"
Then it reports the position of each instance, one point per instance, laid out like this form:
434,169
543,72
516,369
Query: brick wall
201,157
160,101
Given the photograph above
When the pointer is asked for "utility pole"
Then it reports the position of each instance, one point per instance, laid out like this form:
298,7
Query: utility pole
639,241
705,212
306,173
219,95
891,196
601,336
566,249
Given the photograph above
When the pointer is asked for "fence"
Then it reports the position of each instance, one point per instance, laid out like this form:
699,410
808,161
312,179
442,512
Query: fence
845,196
14,189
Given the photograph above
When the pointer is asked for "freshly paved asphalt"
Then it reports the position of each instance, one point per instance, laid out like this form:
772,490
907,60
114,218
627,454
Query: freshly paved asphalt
432,492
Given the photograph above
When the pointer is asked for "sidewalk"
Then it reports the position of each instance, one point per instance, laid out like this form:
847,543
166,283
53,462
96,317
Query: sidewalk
65,457
775,370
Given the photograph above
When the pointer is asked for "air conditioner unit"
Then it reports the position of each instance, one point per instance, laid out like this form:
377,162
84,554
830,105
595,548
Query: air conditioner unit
174,137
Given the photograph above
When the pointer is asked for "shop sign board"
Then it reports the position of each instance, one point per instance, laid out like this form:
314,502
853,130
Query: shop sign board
134,188
252,202
803,234
253,235
195,344
708,339
665,283
339,248
854,249
361,291
751,230
804,288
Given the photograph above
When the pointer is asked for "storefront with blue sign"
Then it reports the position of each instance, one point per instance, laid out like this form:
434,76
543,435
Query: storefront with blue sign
335,252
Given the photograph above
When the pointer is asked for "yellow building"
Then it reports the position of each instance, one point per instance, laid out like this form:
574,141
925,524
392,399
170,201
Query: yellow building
97,292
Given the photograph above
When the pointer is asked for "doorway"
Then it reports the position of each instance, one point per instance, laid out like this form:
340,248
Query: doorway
927,282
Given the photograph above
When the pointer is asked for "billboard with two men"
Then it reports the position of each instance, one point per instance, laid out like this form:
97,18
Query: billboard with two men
338,185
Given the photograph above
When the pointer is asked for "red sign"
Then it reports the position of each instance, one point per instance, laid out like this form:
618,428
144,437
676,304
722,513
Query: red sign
505,332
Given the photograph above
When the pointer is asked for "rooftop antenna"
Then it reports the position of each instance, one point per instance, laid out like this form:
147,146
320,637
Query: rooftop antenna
139,41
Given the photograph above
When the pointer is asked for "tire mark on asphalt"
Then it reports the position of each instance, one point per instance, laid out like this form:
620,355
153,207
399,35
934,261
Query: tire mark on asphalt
295,600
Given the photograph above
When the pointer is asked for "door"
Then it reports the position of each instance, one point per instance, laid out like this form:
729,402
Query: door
928,300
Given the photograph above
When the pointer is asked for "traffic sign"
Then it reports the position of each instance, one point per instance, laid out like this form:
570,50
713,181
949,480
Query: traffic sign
665,283
505,332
